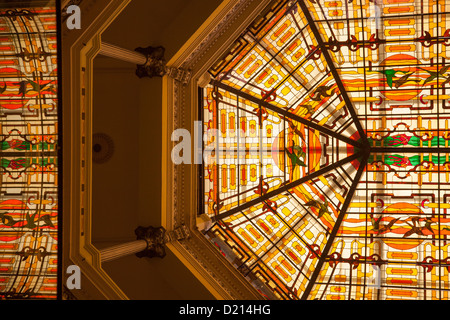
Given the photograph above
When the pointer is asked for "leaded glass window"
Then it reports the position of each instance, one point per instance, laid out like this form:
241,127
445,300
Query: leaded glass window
29,152
326,150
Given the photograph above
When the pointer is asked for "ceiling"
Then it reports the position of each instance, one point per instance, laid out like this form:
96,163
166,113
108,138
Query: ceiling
127,188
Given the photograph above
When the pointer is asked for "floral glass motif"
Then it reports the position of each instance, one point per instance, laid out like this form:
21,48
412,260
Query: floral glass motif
29,153
326,150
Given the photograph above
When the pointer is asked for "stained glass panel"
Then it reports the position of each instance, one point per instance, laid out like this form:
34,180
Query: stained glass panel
345,196
29,153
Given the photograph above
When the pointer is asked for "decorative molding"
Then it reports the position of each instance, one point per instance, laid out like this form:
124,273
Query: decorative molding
177,234
180,105
207,263
219,29
80,48
179,74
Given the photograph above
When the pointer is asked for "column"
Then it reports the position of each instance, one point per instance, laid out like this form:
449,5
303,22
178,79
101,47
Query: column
150,243
116,52
123,249
150,61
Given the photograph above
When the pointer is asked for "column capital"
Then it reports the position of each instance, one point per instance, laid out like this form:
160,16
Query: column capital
155,66
156,239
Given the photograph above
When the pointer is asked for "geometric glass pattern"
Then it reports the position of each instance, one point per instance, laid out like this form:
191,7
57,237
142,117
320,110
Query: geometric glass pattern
326,167
28,153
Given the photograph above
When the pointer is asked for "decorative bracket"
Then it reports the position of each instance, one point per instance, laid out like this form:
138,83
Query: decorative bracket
155,66
177,234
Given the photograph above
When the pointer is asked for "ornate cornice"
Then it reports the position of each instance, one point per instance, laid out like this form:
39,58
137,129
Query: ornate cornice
220,28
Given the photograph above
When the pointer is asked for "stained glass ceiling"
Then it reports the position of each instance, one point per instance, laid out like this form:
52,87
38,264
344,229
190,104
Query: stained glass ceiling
326,157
